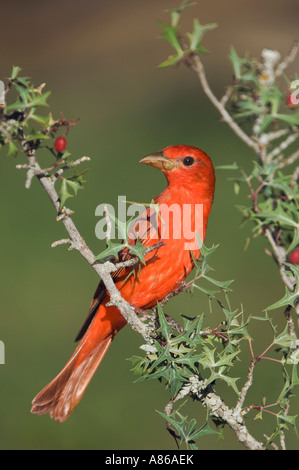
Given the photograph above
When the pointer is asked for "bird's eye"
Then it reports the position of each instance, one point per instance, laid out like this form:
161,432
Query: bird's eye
188,161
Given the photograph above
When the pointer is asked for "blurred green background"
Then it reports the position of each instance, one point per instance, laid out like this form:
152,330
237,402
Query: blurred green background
100,60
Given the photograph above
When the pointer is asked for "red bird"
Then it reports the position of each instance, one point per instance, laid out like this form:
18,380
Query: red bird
191,183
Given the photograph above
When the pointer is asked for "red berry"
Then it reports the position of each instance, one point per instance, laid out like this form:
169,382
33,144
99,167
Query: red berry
294,256
60,144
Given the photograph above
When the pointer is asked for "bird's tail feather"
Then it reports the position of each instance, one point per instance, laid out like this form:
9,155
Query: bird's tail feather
62,395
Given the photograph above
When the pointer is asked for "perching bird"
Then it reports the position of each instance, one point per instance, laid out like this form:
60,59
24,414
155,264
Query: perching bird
191,183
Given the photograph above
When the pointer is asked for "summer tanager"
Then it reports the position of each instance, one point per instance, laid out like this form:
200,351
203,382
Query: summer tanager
191,182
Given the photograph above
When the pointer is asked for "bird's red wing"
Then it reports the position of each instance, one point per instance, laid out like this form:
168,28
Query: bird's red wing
97,299
146,221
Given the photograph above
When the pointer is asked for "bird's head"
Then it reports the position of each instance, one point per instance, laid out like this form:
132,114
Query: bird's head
183,165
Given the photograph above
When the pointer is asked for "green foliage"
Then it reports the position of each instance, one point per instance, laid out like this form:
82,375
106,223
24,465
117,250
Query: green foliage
21,124
260,94
191,349
187,431
115,248
171,34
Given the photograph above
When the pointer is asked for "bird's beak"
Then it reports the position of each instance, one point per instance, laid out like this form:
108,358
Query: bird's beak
158,160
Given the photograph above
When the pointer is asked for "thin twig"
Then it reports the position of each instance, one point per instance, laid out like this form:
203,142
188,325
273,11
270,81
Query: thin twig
282,433
291,56
266,138
63,241
289,161
246,386
197,66
218,409
227,94
282,146
72,164
295,177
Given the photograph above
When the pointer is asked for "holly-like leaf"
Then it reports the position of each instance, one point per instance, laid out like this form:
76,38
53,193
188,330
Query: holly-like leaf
64,192
12,149
112,249
196,36
222,284
35,135
15,71
38,100
284,339
287,418
289,119
171,35
221,375
280,215
236,61
165,327
288,299
170,62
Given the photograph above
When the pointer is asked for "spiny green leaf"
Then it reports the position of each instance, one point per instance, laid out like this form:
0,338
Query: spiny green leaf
38,100
12,149
266,121
290,119
64,190
138,250
229,315
242,330
222,284
236,62
196,36
113,249
208,359
34,135
226,359
267,319
43,120
293,358
180,426
123,226
203,431
170,62
165,327
288,299
230,381
15,71
206,291
284,339
288,419
171,35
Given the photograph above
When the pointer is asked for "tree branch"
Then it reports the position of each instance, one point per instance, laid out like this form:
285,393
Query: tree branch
218,409
197,66
78,243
